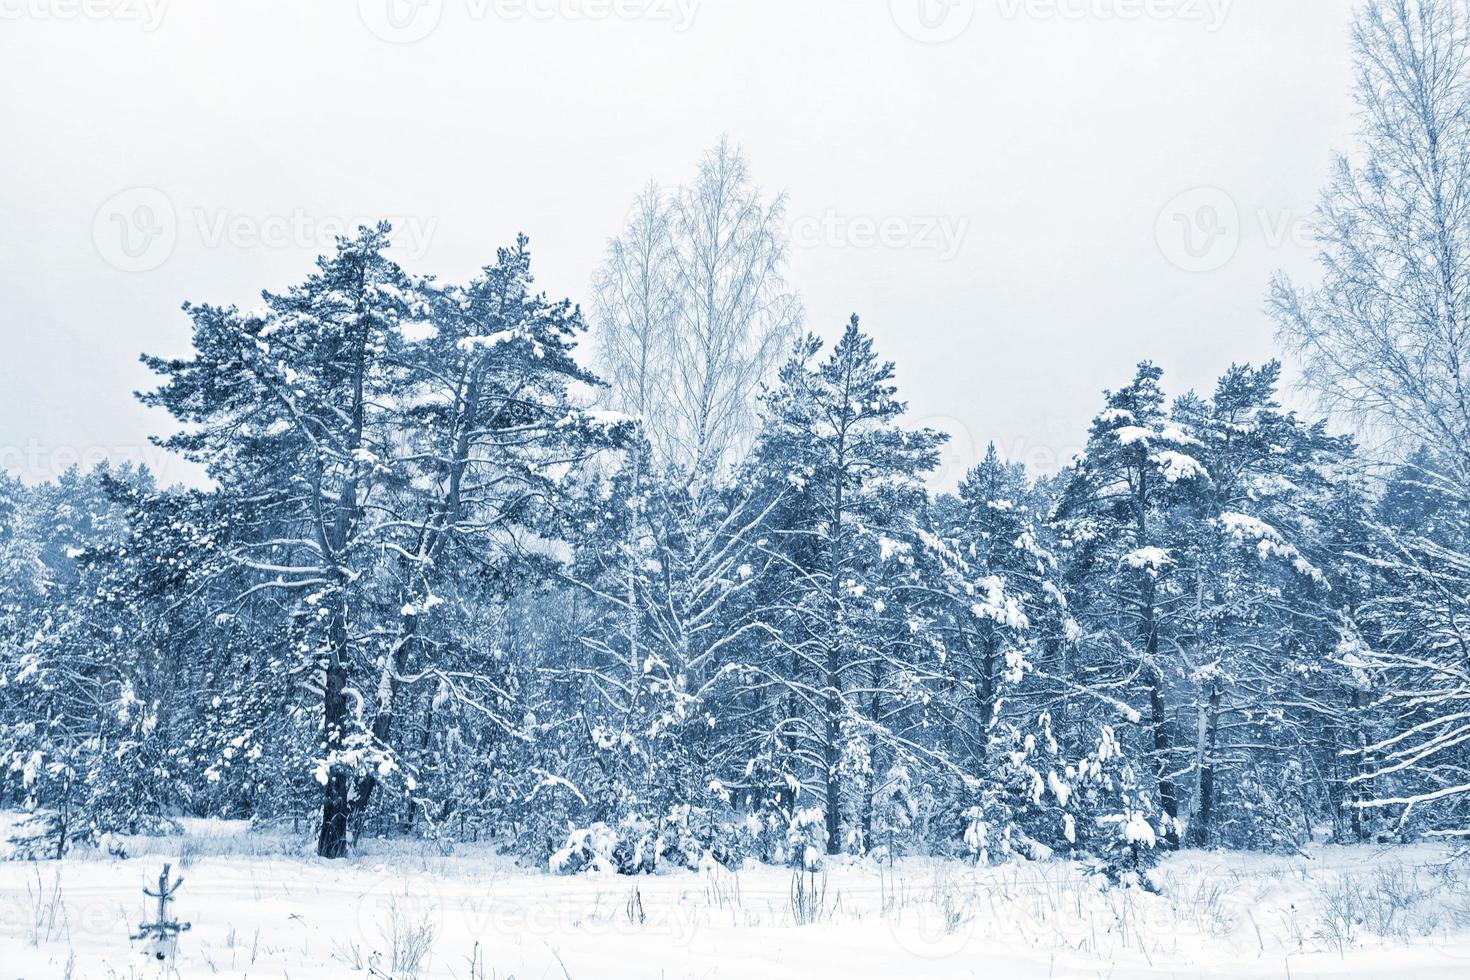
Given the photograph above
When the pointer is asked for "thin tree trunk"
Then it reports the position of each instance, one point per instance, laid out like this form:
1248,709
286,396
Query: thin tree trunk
333,839
1204,828
834,665
1159,721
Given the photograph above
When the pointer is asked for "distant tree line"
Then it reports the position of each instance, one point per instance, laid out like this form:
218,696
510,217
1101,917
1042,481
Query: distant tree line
688,598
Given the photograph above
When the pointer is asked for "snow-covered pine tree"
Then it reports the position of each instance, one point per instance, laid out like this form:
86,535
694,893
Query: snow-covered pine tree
103,683
379,420
843,668
1252,603
990,588
1127,520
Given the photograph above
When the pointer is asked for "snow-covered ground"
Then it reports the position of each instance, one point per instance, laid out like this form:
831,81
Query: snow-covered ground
259,908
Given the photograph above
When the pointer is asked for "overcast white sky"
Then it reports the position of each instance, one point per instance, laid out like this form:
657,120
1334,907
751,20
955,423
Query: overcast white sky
1022,198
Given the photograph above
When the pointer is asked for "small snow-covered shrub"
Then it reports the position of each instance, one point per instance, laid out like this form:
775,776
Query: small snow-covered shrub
977,834
1039,804
587,849
693,837
1266,809
806,838
686,837
894,812
1125,830
84,795
1021,812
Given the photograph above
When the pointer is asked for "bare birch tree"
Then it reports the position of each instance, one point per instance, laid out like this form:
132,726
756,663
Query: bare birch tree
737,317
1386,338
694,313
635,303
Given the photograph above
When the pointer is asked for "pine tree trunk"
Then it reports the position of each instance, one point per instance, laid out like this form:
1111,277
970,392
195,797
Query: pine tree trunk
834,663
1357,793
1203,830
876,769
832,749
987,686
832,759
332,839
336,803
1168,794
363,788
430,543
1159,716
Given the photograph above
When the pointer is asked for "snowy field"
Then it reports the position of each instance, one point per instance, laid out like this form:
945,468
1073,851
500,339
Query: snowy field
260,909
